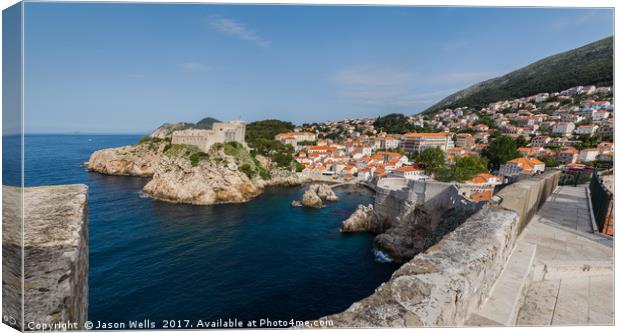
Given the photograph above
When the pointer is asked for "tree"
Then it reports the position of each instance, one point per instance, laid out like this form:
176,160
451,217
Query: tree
588,141
521,141
485,120
550,162
393,123
466,167
500,151
432,159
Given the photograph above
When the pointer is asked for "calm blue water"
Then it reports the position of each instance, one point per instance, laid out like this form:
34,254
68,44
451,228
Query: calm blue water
155,260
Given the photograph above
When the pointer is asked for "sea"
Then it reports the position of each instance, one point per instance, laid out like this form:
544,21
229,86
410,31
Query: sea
158,261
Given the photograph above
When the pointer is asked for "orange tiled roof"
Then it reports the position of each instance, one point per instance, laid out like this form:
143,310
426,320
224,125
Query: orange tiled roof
322,148
407,168
482,196
526,163
425,134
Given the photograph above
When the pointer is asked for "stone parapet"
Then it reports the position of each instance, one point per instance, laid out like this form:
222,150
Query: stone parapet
527,196
54,280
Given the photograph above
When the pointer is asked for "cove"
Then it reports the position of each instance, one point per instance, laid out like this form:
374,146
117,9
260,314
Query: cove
250,261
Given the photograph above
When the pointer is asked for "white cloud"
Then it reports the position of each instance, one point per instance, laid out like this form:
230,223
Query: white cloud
236,29
193,66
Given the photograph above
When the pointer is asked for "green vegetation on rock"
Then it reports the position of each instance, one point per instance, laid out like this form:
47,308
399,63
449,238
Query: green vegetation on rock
195,158
260,136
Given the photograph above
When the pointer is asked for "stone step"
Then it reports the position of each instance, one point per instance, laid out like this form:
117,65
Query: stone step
506,297
559,269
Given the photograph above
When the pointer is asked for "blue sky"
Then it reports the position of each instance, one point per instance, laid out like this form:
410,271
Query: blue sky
127,68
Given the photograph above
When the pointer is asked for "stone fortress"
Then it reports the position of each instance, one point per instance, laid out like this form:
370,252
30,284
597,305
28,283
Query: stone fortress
205,138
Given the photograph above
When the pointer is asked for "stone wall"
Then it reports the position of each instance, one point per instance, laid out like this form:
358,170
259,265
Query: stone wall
409,216
527,196
55,273
451,279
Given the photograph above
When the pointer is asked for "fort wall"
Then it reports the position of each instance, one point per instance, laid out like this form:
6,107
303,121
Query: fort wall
205,138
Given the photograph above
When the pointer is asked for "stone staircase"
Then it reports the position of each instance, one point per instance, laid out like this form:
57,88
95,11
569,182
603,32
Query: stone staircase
560,271
506,298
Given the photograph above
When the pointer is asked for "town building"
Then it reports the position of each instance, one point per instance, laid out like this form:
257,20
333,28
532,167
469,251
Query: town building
563,129
409,172
522,165
588,155
465,140
418,142
586,129
294,138
568,155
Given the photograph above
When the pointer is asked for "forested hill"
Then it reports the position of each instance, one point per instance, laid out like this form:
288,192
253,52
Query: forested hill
586,65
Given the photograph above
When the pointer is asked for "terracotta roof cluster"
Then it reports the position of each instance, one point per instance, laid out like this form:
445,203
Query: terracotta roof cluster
413,135
525,163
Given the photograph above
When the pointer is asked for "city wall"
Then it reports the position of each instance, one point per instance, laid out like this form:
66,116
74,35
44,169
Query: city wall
453,278
55,255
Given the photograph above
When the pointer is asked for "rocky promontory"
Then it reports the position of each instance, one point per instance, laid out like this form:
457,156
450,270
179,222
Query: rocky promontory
228,173
136,160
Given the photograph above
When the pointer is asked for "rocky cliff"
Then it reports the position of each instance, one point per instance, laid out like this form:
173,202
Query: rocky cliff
137,160
207,179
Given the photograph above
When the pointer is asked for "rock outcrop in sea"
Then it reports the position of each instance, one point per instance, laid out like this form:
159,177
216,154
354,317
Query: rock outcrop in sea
360,220
315,194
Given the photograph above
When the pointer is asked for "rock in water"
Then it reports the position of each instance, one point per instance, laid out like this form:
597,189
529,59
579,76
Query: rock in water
316,193
324,192
311,199
358,221
296,203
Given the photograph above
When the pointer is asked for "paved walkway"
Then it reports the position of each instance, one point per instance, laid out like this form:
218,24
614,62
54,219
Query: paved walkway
572,277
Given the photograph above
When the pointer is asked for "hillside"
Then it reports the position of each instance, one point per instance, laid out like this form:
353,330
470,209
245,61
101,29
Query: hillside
589,64
166,129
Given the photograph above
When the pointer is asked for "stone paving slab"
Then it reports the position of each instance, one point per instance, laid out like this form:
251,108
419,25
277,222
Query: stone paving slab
573,267
503,305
